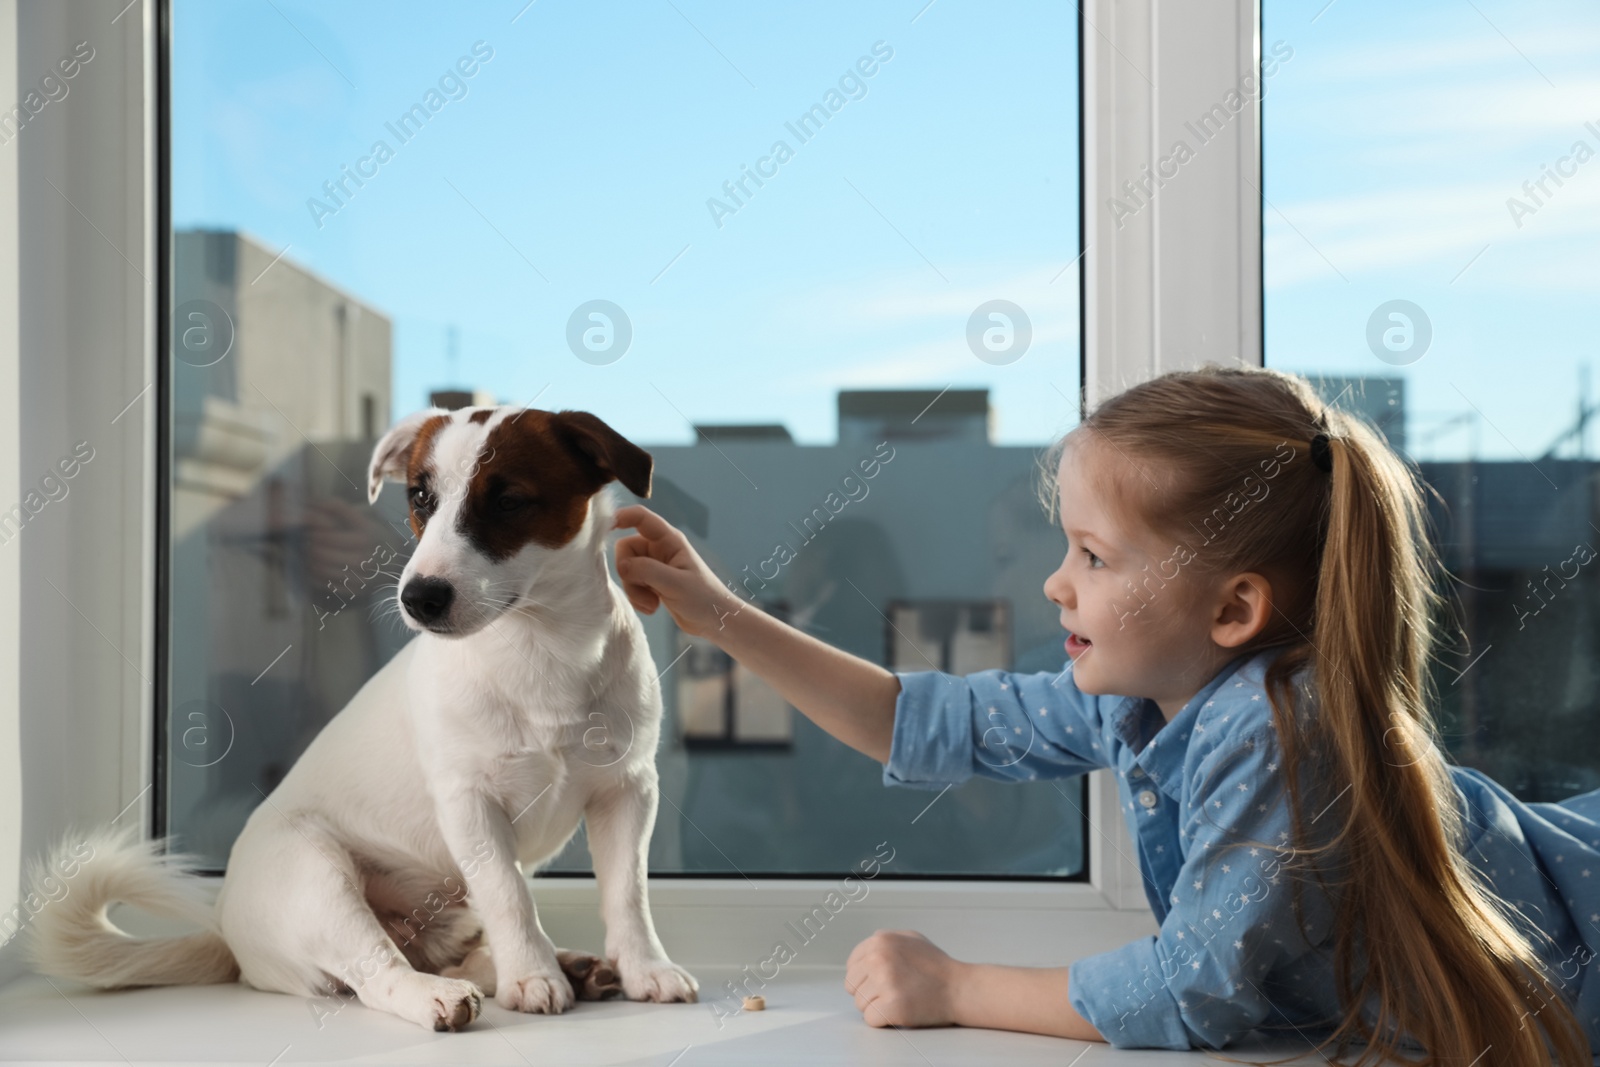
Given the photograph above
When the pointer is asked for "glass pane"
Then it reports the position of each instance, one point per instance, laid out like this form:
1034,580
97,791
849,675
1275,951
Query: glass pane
772,245
1433,202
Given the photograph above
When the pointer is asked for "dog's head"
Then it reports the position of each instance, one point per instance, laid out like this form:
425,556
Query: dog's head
497,497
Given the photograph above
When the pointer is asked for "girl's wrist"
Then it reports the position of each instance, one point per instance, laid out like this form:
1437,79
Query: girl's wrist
730,617
958,977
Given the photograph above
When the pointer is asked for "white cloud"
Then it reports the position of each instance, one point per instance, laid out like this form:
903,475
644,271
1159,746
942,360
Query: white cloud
902,306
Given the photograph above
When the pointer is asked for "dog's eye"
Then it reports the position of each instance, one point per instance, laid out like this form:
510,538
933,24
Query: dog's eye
510,502
421,499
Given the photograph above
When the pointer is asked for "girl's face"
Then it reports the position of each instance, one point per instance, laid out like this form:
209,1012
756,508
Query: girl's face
1134,627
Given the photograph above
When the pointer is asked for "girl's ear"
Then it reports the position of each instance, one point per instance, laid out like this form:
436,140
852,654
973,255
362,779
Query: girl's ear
1243,609
393,450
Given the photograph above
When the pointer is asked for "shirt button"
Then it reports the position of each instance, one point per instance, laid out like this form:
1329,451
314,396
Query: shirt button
1137,772
1147,798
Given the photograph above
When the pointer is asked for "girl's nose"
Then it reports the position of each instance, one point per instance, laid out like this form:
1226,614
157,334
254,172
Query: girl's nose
1058,590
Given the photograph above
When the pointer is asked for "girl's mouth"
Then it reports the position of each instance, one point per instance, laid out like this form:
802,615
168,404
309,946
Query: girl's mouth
1076,645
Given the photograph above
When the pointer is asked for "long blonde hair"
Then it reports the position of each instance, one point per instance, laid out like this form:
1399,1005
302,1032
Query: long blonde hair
1435,945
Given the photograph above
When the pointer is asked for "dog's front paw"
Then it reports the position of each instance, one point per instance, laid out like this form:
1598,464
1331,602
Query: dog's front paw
456,1003
535,993
659,980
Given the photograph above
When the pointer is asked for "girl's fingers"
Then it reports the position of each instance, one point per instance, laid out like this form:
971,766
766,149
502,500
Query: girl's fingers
642,599
635,585
650,525
632,546
874,1014
863,994
651,542
859,952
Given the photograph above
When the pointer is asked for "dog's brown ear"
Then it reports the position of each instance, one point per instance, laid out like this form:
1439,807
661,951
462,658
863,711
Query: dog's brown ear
393,451
607,451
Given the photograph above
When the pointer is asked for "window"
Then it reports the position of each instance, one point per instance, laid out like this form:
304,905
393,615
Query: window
951,636
722,704
1432,200
777,247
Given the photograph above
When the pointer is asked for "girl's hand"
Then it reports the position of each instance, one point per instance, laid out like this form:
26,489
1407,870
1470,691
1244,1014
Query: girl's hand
658,566
900,978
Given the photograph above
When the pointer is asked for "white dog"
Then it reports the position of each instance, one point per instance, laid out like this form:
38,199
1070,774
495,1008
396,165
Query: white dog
388,861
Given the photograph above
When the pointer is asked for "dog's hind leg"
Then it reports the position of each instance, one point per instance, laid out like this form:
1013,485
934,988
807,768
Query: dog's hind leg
293,909
591,977
476,967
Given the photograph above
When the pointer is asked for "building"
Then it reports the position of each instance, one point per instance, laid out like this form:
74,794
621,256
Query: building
280,384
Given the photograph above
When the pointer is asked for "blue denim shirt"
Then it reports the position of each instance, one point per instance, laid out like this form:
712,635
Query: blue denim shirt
1230,956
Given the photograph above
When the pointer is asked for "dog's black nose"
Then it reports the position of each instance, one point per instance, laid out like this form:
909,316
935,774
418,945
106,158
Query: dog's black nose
427,599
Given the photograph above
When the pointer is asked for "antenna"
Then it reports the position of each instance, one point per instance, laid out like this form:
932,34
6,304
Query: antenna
1578,430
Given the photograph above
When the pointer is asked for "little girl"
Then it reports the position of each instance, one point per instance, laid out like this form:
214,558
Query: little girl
1249,605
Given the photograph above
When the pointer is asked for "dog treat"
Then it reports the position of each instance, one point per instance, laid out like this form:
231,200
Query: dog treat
755,1003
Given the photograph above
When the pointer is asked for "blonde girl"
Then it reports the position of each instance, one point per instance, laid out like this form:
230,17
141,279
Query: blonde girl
1250,600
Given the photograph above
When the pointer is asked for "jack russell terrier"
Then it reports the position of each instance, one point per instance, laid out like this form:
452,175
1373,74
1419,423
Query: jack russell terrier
389,861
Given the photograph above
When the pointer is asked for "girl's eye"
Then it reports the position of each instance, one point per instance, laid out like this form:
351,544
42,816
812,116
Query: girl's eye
1093,559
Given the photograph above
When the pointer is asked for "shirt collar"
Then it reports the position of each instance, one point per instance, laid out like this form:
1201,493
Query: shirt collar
1159,746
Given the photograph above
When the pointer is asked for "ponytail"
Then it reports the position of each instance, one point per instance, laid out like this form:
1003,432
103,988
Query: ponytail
1421,933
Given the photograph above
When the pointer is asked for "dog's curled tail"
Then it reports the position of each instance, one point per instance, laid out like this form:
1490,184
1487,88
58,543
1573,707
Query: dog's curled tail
71,936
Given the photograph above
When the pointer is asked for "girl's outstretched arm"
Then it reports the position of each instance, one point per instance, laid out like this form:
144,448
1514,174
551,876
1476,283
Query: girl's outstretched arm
852,699
900,978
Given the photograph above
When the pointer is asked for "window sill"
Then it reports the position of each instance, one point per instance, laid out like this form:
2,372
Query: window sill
809,1019
730,922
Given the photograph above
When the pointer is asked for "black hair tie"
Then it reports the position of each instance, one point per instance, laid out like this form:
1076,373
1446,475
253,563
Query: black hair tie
1322,452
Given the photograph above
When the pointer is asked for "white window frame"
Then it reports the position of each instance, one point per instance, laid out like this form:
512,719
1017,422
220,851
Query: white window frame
1175,285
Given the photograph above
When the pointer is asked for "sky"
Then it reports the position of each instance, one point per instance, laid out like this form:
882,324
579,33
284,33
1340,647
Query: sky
578,162
1393,140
